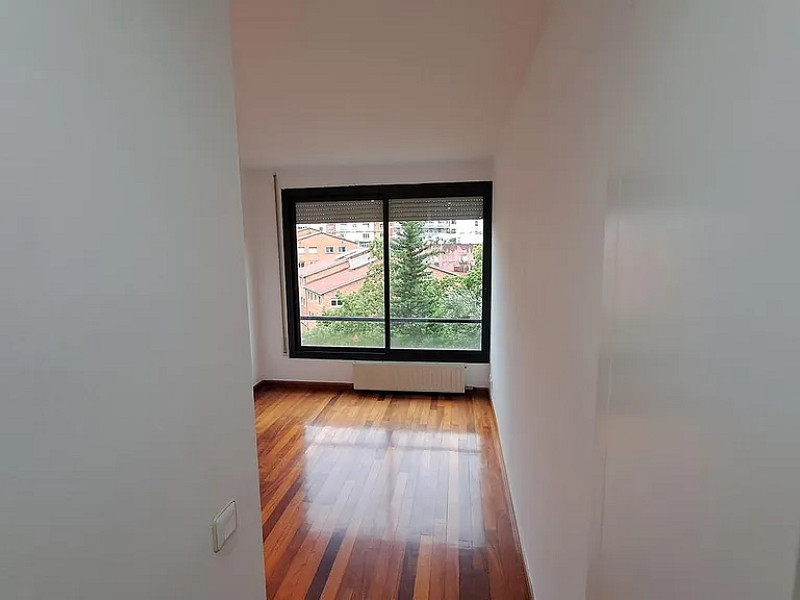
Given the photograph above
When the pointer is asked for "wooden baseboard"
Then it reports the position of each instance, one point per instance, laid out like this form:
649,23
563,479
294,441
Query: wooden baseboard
266,384
260,386
507,486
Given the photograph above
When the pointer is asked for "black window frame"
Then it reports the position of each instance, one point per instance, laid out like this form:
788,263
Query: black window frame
290,197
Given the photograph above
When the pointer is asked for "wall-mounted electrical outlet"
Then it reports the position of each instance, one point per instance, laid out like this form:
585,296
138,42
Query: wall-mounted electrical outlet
223,525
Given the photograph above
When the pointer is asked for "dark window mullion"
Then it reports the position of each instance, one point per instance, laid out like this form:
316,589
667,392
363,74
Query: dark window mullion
386,289
384,193
291,273
486,274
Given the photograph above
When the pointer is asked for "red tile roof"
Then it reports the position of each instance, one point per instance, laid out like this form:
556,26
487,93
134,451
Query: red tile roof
338,280
445,271
324,265
308,232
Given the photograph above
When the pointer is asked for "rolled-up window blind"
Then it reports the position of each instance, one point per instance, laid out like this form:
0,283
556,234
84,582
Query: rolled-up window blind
436,209
400,209
340,211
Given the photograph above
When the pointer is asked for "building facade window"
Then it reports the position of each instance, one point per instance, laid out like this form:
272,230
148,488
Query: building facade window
420,293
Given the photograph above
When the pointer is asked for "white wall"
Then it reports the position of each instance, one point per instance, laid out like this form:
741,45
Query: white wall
262,256
377,81
702,486
681,116
126,416
548,232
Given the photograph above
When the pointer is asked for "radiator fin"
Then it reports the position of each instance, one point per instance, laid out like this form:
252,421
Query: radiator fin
442,378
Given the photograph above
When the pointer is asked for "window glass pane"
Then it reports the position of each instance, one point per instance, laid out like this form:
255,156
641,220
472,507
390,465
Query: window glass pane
436,274
436,336
434,269
341,291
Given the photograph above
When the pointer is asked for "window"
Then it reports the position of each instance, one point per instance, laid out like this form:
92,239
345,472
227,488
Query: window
413,294
312,250
342,249
301,264
301,250
328,249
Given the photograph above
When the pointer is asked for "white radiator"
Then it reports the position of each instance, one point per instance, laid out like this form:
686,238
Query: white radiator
445,378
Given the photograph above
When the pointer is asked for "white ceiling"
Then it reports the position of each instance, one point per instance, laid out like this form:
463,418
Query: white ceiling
377,81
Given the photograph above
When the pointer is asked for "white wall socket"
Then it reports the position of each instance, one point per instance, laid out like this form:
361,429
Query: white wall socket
223,525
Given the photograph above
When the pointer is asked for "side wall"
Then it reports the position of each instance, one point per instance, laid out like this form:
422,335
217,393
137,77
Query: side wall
549,211
700,402
126,414
679,116
262,257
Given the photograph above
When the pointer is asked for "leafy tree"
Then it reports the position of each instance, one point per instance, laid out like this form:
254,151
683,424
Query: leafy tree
366,302
474,279
414,293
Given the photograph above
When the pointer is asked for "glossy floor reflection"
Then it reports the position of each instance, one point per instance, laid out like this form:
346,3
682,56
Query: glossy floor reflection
370,496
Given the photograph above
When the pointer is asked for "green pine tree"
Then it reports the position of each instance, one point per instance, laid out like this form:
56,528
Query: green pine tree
412,293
